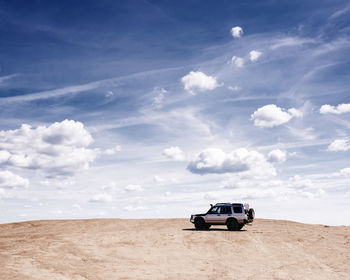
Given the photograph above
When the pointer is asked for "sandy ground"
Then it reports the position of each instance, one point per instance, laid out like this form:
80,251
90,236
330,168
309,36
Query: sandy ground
171,249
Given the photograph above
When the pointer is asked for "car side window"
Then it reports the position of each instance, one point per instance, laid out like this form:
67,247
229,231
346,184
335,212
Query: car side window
237,209
226,210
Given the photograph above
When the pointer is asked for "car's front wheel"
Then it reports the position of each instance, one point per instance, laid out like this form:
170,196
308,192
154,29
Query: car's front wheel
207,226
199,224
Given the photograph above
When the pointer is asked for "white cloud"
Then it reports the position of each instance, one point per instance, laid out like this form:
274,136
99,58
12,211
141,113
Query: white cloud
236,31
2,193
277,156
238,61
295,112
174,153
77,207
135,208
58,212
167,193
290,42
11,180
110,187
8,77
340,109
101,197
112,151
272,115
158,100
59,149
109,93
60,183
300,183
254,55
210,196
340,12
249,163
345,172
158,179
339,145
198,81
4,156
235,88
133,188
311,194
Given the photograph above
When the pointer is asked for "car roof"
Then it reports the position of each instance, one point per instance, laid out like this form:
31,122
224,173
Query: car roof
228,203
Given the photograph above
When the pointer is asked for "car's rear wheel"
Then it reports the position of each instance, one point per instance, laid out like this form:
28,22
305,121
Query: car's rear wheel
232,224
199,224
240,226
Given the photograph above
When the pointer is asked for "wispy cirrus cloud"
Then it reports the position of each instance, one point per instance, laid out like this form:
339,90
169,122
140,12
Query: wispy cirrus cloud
8,77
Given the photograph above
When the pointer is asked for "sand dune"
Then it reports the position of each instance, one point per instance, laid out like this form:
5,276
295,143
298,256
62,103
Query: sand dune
171,249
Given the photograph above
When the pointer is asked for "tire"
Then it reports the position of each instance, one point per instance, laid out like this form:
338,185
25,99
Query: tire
232,224
199,224
207,226
240,226
251,214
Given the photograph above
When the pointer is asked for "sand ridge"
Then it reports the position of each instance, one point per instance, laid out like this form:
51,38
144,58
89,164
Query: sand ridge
172,249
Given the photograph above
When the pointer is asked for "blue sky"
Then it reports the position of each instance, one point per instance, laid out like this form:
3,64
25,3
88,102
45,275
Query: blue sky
149,109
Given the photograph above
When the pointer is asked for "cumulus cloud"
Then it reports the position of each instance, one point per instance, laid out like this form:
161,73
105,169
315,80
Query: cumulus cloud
277,156
174,153
339,145
272,115
236,31
345,172
59,149
340,109
213,160
133,188
101,197
4,156
10,180
112,151
238,61
198,81
300,183
254,55
304,187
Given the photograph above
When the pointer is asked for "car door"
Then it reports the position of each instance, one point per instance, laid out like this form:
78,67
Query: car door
213,215
225,212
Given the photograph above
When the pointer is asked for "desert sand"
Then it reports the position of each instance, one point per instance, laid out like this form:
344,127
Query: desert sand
172,249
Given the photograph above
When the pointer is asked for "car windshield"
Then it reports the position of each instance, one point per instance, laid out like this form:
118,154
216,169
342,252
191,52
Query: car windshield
214,210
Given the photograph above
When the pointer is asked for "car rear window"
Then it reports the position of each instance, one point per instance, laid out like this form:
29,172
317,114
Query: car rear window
237,209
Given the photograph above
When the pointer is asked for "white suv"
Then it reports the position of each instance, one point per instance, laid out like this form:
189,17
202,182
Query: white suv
234,215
